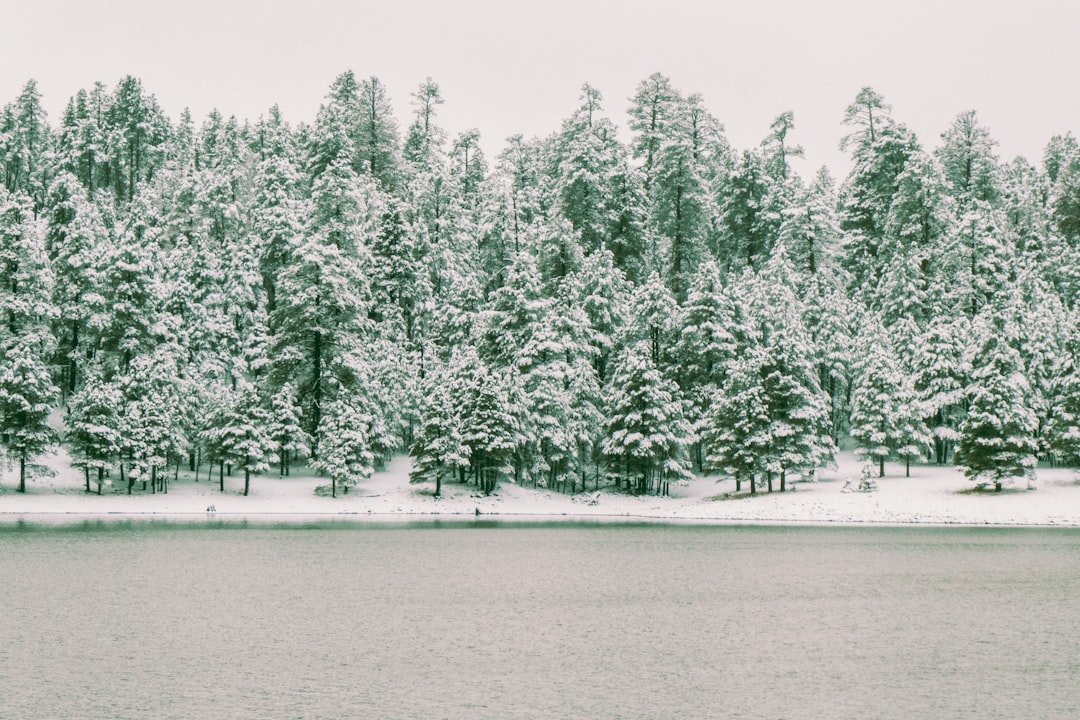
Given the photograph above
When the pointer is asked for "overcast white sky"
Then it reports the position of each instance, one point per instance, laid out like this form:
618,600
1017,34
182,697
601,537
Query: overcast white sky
510,67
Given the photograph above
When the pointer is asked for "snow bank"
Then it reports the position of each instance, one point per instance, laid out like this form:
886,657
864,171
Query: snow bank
932,495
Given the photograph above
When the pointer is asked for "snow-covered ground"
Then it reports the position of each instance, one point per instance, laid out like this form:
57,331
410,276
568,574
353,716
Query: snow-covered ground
932,495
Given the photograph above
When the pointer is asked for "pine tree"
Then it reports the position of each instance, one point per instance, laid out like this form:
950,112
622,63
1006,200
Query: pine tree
706,343
26,397
941,373
286,429
24,140
737,437
647,434
997,439
94,426
744,239
491,430
377,135
884,418
344,450
652,112
74,237
439,448
245,435
588,155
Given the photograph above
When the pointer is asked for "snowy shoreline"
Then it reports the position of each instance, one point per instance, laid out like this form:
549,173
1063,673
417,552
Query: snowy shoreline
932,497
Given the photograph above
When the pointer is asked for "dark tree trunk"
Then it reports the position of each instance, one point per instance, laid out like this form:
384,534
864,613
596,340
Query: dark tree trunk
247,481
86,474
22,473
221,476
72,362
881,466
783,481
316,391
907,467
768,477
100,481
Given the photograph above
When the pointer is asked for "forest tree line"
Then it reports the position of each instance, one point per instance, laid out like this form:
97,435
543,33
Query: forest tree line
576,311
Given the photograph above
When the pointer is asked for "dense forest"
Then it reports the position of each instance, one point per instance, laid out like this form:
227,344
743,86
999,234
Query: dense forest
578,311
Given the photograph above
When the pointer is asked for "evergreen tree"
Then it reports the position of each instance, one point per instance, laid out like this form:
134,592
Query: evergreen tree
286,427
24,140
439,448
997,439
94,426
377,135
941,373
706,343
490,430
74,237
26,398
646,431
344,453
737,437
245,435
884,419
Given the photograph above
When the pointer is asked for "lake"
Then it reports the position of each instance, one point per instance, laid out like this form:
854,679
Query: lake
459,620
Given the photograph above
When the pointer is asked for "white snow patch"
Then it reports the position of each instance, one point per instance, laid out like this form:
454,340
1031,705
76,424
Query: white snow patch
932,495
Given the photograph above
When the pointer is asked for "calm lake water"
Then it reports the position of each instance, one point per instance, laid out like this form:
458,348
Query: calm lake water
148,620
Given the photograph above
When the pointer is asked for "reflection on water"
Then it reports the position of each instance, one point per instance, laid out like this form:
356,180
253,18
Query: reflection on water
485,619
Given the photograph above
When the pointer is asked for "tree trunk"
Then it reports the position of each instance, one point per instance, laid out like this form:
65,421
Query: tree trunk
100,482
738,483
22,473
221,476
753,484
86,474
247,481
881,466
907,467
783,481
316,392
438,484
768,477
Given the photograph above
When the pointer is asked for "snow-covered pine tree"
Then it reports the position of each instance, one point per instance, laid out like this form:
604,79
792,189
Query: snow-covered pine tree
26,397
344,452
601,291
74,234
704,346
885,420
491,429
1063,433
244,434
647,434
286,428
153,432
654,320
940,374
997,438
94,425
588,154
738,435
439,448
